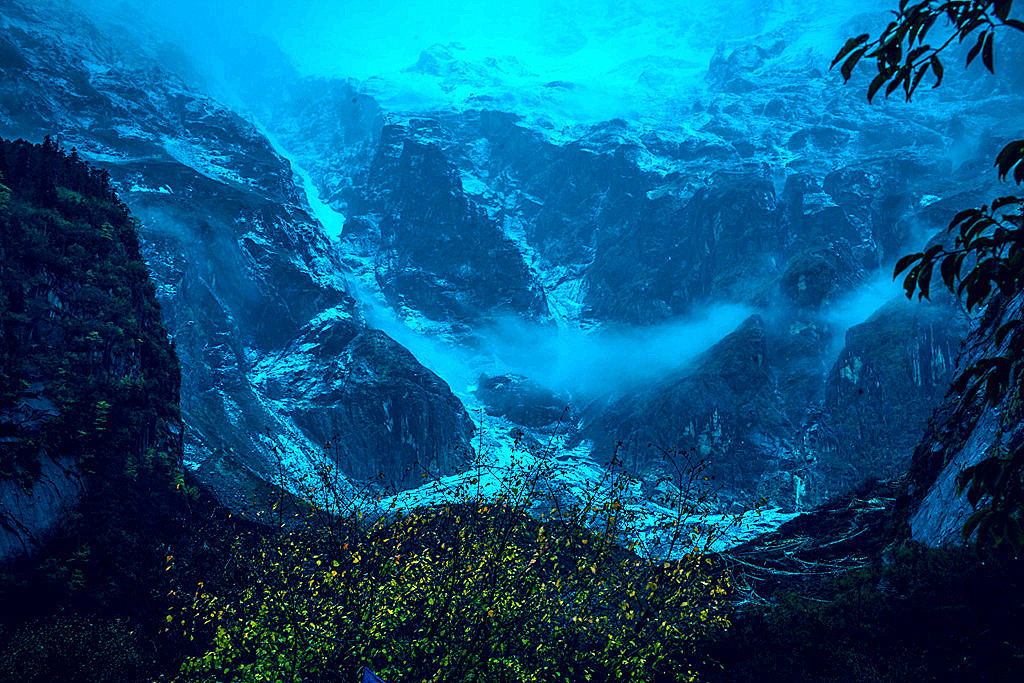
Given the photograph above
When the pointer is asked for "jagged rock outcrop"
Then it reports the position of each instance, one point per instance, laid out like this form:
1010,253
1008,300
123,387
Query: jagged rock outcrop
769,185
439,253
723,409
881,391
774,189
30,512
523,401
359,391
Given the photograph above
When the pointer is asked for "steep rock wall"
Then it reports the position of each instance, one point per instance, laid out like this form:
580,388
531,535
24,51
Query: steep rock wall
88,379
963,431
240,264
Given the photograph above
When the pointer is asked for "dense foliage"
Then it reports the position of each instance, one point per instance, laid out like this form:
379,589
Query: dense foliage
87,377
81,329
916,614
475,589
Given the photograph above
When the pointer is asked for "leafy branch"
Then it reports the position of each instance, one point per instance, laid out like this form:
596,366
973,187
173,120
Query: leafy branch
987,256
902,57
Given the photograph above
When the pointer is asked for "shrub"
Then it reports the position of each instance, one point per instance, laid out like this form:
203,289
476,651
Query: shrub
70,648
499,580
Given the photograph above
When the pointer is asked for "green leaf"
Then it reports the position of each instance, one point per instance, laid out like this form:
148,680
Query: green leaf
851,62
950,270
910,282
1002,9
1011,155
977,291
986,54
961,217
877,83
905,263
1005,201
911,87
924,279
917,52
850,45
972,522
976,49
926,26
937,70
932,252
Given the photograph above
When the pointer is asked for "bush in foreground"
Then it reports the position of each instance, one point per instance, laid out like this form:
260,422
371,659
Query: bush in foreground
474,589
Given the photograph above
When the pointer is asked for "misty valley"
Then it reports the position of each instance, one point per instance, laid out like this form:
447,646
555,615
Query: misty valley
564,340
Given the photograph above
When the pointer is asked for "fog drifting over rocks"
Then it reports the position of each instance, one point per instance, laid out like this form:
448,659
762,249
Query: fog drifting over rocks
584,60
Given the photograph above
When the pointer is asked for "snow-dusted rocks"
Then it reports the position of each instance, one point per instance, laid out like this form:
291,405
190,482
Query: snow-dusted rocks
481,212
241,265
376,410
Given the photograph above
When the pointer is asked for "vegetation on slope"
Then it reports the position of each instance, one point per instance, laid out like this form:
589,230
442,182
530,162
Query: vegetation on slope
832,597
81,328
888,610
87,376
490,586
149,578
917,614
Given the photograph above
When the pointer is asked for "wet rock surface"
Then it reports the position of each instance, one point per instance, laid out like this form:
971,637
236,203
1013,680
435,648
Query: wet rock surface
239,262
523,401
380,412
770,186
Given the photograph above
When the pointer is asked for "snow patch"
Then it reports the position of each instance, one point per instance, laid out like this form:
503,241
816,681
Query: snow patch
205,162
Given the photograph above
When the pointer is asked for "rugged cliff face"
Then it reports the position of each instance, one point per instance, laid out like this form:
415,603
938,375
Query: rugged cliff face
88,379
240,264
484,230
902,356
437,252
725,403
359,391
962,432
773,188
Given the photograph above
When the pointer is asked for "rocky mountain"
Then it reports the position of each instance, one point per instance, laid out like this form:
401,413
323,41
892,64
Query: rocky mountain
303,234
242,268
773,187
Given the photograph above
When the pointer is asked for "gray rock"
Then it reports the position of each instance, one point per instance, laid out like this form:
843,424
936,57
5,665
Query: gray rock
29,513
962,432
